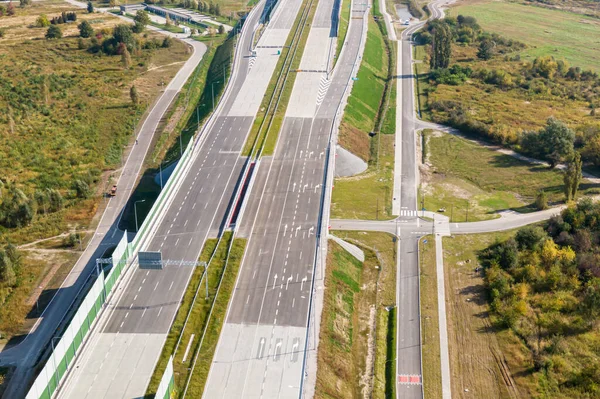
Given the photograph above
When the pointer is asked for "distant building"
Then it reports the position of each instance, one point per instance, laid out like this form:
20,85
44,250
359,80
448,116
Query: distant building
173,15
131,8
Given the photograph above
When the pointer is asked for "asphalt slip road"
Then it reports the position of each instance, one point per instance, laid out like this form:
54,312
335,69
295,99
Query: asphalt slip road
408,340
119,359
261,349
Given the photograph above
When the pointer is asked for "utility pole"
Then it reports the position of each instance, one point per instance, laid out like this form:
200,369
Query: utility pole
467,218
135,212
213,94
451,212
206,278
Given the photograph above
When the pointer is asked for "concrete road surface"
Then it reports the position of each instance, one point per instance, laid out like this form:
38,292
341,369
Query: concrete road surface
120,355
262,346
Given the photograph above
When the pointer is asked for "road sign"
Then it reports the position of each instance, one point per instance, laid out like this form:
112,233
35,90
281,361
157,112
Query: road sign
424,241
355,79
150,260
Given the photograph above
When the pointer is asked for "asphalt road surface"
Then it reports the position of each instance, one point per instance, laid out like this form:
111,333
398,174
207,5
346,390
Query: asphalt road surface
120,356
261,349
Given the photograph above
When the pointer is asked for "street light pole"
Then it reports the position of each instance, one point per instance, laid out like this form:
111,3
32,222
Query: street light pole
213,93
135,212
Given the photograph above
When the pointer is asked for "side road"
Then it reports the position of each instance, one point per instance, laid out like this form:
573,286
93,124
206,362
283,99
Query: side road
25,355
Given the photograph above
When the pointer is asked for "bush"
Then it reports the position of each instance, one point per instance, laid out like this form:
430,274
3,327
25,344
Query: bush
455,75
72,240
42,21
167,42
53,32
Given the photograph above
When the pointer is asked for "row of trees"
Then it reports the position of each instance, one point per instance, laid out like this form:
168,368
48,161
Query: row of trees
18,209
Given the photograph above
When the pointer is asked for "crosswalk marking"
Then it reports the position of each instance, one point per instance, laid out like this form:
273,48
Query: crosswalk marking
405,212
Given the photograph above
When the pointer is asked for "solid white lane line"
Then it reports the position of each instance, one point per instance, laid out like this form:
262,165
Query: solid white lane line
171,286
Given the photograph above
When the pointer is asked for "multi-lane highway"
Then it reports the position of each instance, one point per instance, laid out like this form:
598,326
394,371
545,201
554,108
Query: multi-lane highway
261,350
121,353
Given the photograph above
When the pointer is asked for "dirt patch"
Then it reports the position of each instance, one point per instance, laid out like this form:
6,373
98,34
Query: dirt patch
478,366
355,141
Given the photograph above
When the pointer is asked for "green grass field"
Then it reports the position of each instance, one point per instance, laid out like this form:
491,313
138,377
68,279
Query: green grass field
367,91
353,308
465,172
430,334
558,33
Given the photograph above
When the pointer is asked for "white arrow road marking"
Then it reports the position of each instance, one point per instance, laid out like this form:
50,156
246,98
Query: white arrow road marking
302,282
288,282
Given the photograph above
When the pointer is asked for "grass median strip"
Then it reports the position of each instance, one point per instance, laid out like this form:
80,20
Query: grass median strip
266,127
355,358
222,273
430,334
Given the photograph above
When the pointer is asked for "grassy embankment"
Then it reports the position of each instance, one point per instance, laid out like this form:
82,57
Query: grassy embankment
222,270
191,108
462,174
268,122
486,361
68,116
363,114
430,334
356,346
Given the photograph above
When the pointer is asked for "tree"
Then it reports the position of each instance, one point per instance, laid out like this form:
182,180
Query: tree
113,3
16,209
85,29
90,7
530,237
7,273
211,8
217,10
554,143
42,21
124,34
167,20
572,176
82,189
55,200
10,9
125,58
441,49
13,254
134,95
141,17
486,49
221,29
53,32
24,3
541,200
